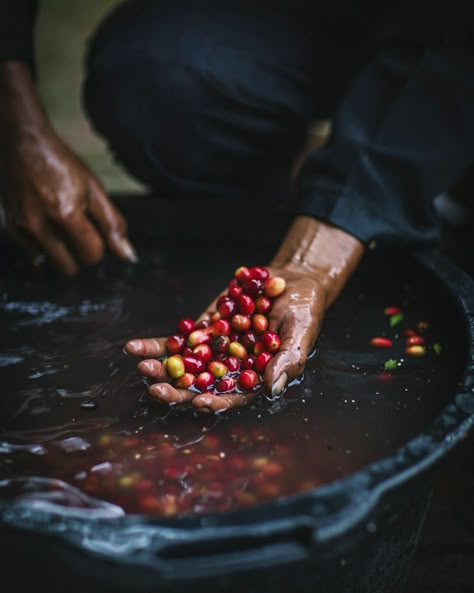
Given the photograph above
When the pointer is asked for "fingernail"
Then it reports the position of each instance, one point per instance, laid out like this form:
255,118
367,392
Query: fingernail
136,346
279,384
128,250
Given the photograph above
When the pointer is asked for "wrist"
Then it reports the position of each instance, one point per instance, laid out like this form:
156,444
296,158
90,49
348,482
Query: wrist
21,112
320,250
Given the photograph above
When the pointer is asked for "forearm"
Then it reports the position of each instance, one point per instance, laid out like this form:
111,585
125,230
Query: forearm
322,251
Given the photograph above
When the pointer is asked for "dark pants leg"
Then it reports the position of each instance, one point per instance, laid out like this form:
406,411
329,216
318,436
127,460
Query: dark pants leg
207,97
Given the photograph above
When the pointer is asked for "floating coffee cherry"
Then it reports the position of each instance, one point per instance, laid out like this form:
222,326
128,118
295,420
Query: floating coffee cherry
228,351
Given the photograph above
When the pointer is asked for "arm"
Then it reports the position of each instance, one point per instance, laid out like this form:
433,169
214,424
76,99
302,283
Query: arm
403,134
316,259
52,201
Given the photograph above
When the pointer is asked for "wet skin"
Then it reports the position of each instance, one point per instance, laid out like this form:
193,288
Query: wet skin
316,260
54,206
56,209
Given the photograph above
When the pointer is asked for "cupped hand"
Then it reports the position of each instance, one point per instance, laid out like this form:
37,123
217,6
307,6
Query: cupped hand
296,316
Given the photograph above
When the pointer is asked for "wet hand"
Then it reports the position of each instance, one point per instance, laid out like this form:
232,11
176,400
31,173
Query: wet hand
56,207
296,316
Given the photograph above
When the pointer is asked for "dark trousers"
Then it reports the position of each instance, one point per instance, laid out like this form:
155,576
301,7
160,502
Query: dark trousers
212,97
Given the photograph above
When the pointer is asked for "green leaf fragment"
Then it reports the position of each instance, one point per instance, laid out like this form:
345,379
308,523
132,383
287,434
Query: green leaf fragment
390,364
394,319
437,348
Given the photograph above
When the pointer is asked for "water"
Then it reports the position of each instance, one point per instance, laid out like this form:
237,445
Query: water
78,431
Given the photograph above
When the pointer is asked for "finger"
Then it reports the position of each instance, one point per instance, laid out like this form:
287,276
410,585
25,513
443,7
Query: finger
209,402
298,336
111,223
84,237
33,253
166,393
153,369
147,347
55,249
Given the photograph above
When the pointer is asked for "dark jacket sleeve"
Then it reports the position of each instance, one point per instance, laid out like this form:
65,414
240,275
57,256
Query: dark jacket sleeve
17,20
402,134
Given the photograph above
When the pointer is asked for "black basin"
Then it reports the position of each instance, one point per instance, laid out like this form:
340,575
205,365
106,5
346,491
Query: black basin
355,534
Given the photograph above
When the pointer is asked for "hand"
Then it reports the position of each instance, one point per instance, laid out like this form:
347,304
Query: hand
54,206
296,316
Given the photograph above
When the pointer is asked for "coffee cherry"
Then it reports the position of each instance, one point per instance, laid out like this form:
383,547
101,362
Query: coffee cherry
217,369
242,273
187,351
416,350
221,327
249,339
246,304
259,273
234,336
199,336
175,366
238,350
185,326
193,364
248,362
259,323
271,341
240,323
248,380
274,286
203,324
225,384
220,344
261,361
202,351
175,343
389,311
234,289
415,341
253,287
380,342
204,381
262,304
258,348
232,363
185,381
227,307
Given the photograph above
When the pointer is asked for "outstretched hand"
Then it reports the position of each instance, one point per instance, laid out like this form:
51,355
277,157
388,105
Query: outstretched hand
296,316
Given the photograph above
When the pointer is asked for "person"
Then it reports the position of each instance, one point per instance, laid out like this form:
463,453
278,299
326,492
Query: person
214,99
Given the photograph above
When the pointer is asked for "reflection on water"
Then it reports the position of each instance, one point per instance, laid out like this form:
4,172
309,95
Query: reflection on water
78,430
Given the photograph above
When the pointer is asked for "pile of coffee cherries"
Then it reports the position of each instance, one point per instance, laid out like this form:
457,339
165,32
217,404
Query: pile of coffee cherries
229,352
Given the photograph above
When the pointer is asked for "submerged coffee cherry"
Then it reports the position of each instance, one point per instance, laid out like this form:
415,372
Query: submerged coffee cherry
380,342
261,361
204,381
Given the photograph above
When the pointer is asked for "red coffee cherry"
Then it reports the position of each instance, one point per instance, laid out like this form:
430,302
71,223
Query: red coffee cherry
259,323
185,381
380,342
259,273
204,381
225,384
262,304
193,364
199,336
220,344
248,380
253,287
246,304
232,363
271,341
175,343
249,339
240,323
202,351
227,307
261,361
248,362
242,273
185,326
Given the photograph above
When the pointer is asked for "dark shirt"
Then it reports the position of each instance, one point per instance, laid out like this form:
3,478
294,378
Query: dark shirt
402,133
